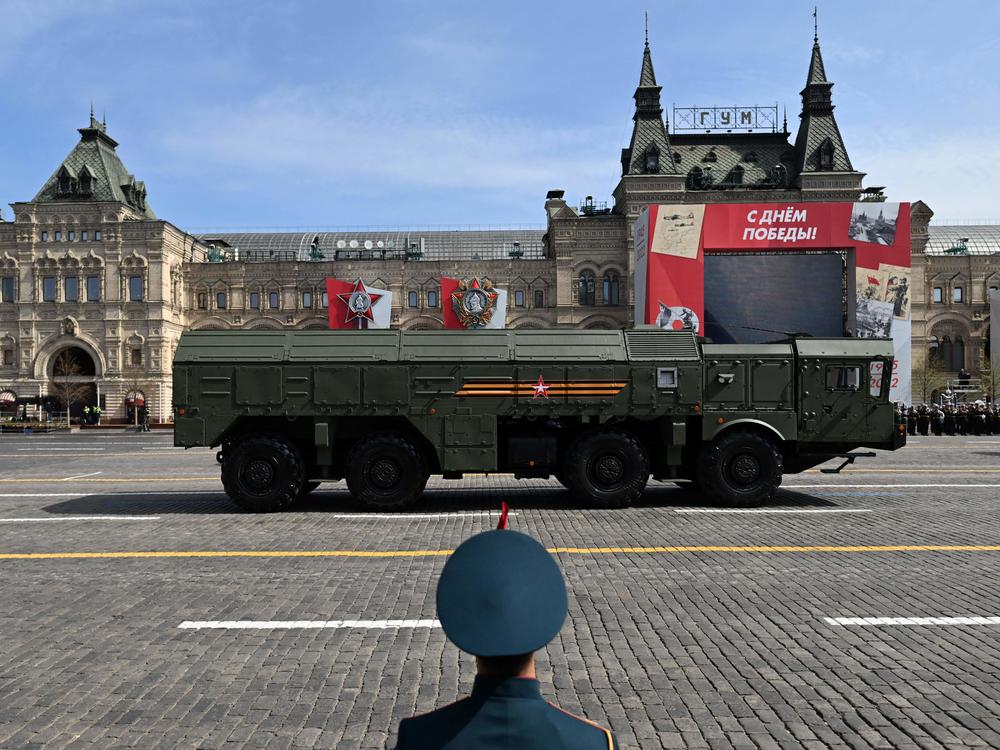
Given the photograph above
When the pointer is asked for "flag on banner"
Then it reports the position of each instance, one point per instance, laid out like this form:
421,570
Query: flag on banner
356,306
473,304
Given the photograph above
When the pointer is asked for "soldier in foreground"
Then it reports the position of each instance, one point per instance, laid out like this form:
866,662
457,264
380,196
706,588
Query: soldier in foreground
501,597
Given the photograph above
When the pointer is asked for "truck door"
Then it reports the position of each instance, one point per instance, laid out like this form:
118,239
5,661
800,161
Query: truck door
834,400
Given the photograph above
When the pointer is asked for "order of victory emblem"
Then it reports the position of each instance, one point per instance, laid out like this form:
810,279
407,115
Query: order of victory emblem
359,302
474,303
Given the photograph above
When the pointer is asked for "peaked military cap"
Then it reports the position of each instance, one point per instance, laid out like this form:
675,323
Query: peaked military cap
501,594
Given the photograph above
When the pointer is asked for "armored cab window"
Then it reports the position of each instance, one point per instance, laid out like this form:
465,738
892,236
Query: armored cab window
843,378
666,377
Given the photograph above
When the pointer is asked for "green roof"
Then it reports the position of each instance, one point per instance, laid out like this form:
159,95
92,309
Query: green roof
94,172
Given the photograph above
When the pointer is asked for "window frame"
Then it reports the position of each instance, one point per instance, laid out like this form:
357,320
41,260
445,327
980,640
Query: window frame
937,295
221,301
958,295
519,298
50,282
307,300
67,281
839,385
97,296
8,289
132,296
663,374
273,301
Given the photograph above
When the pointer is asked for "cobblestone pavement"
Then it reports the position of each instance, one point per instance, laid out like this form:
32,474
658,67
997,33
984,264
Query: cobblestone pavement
704,641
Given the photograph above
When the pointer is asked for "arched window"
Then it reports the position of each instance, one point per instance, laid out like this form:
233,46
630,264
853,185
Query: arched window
651,160
612,288
411,299
944,352
220,300
432,298
932,348
519,298
586,284
958,354
826,155
273,300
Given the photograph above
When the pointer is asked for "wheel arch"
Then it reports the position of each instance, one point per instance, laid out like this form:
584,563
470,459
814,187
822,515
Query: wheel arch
753,425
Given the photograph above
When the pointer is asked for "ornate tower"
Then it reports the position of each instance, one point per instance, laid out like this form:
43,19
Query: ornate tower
824,169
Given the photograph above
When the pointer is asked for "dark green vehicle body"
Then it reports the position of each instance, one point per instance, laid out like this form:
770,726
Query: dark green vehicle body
521,402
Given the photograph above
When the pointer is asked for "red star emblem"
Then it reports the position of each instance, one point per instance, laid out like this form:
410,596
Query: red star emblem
359,302
540,388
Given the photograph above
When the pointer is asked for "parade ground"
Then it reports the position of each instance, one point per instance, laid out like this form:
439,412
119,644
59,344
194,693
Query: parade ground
140,608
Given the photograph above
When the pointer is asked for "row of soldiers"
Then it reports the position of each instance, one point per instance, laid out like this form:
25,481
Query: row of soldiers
978,418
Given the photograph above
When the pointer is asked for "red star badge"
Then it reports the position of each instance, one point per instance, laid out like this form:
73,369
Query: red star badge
359,302
540,388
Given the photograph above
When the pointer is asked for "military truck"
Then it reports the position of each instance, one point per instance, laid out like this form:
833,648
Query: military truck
599,410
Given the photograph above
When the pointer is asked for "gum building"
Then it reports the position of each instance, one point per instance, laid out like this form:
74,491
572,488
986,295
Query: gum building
96,289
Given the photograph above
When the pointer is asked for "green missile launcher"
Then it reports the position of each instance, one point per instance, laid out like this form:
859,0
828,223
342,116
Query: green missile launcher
599,410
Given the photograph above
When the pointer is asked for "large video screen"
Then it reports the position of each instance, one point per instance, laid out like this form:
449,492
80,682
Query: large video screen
794,292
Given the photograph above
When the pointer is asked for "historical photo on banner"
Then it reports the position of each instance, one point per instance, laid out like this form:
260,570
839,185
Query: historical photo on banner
874,223
678,230
897,289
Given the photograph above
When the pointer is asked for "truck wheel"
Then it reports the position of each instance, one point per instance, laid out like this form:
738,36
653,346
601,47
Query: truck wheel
386,472
263,473
608,469
308,488
740,469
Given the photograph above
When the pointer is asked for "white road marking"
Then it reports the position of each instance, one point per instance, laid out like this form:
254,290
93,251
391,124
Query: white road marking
306,624
968,620
40,449
772,510
81,518
81,476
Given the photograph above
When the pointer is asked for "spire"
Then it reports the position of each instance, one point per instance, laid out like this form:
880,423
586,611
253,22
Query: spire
819,146
649,152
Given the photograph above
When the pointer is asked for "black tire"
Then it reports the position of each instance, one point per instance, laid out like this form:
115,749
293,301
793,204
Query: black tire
560,477
740,469
308,488
607,469
263,473
386,472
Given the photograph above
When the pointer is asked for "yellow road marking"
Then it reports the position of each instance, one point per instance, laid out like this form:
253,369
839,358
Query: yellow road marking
554,550
102,480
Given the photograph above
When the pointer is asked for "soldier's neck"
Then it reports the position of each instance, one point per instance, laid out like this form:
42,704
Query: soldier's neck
488,668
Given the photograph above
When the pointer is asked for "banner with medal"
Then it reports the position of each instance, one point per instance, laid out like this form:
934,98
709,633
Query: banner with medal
356,306
472,304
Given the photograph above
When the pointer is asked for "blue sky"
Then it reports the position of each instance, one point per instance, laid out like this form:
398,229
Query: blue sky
281,114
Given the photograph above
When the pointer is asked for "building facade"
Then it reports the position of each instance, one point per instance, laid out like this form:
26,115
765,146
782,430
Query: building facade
96,289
